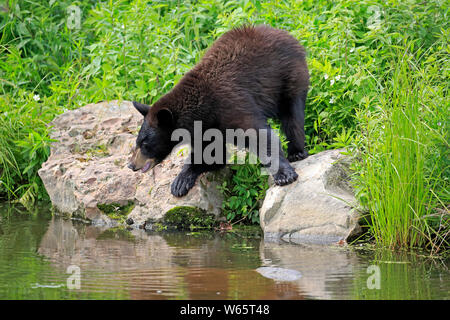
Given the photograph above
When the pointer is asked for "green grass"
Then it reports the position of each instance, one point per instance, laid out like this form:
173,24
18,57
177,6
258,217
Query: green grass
138,50
403,156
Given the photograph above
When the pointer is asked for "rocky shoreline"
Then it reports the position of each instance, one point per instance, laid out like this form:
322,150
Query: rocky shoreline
86,177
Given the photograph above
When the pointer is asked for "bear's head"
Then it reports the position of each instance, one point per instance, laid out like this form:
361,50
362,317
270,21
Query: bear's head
153,142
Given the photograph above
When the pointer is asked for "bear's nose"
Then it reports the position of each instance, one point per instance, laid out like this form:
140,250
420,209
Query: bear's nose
132,166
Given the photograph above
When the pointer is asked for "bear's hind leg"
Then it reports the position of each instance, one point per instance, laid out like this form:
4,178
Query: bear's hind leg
272,157
292,122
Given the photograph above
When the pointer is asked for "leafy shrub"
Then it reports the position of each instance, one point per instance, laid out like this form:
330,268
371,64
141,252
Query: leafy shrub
244,192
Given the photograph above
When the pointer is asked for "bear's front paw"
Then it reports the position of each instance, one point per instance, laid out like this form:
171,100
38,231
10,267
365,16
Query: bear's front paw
182,184
285,176
298,156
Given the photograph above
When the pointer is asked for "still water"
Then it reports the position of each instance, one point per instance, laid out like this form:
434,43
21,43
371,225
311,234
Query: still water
37,251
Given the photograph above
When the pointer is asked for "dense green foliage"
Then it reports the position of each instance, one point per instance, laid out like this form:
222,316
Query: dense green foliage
137,50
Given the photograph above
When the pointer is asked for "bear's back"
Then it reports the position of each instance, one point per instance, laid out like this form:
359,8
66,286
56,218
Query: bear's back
251,50
248,71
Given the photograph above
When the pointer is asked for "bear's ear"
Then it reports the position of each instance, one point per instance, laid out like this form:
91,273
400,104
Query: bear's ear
165,118
142,108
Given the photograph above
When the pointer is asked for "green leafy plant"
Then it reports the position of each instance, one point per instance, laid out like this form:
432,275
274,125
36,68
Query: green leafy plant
244,192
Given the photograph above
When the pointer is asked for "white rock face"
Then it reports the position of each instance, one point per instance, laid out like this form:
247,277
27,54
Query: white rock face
88,166
315,208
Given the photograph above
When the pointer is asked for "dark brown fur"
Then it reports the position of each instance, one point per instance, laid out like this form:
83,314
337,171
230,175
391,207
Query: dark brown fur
248,75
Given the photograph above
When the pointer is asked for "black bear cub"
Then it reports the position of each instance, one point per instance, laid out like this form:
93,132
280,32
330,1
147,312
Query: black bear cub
250,74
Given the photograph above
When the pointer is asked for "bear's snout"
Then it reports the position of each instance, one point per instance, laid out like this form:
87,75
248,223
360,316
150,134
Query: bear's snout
140,162
132,166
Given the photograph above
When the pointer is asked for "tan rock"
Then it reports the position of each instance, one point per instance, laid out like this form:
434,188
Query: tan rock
88,166
318,207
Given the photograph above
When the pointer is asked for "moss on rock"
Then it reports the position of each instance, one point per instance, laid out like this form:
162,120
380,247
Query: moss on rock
117,211
185,217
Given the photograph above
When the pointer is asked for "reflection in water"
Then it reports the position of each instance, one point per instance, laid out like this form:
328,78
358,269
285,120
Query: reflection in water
279,274
155,266
36,251
326,271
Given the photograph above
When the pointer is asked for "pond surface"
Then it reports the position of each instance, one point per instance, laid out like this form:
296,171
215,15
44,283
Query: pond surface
41,257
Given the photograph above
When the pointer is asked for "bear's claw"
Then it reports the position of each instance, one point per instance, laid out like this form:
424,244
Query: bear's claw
298,156
182,184
285,176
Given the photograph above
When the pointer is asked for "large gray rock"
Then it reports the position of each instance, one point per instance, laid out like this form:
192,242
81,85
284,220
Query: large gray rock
318,207
87,168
